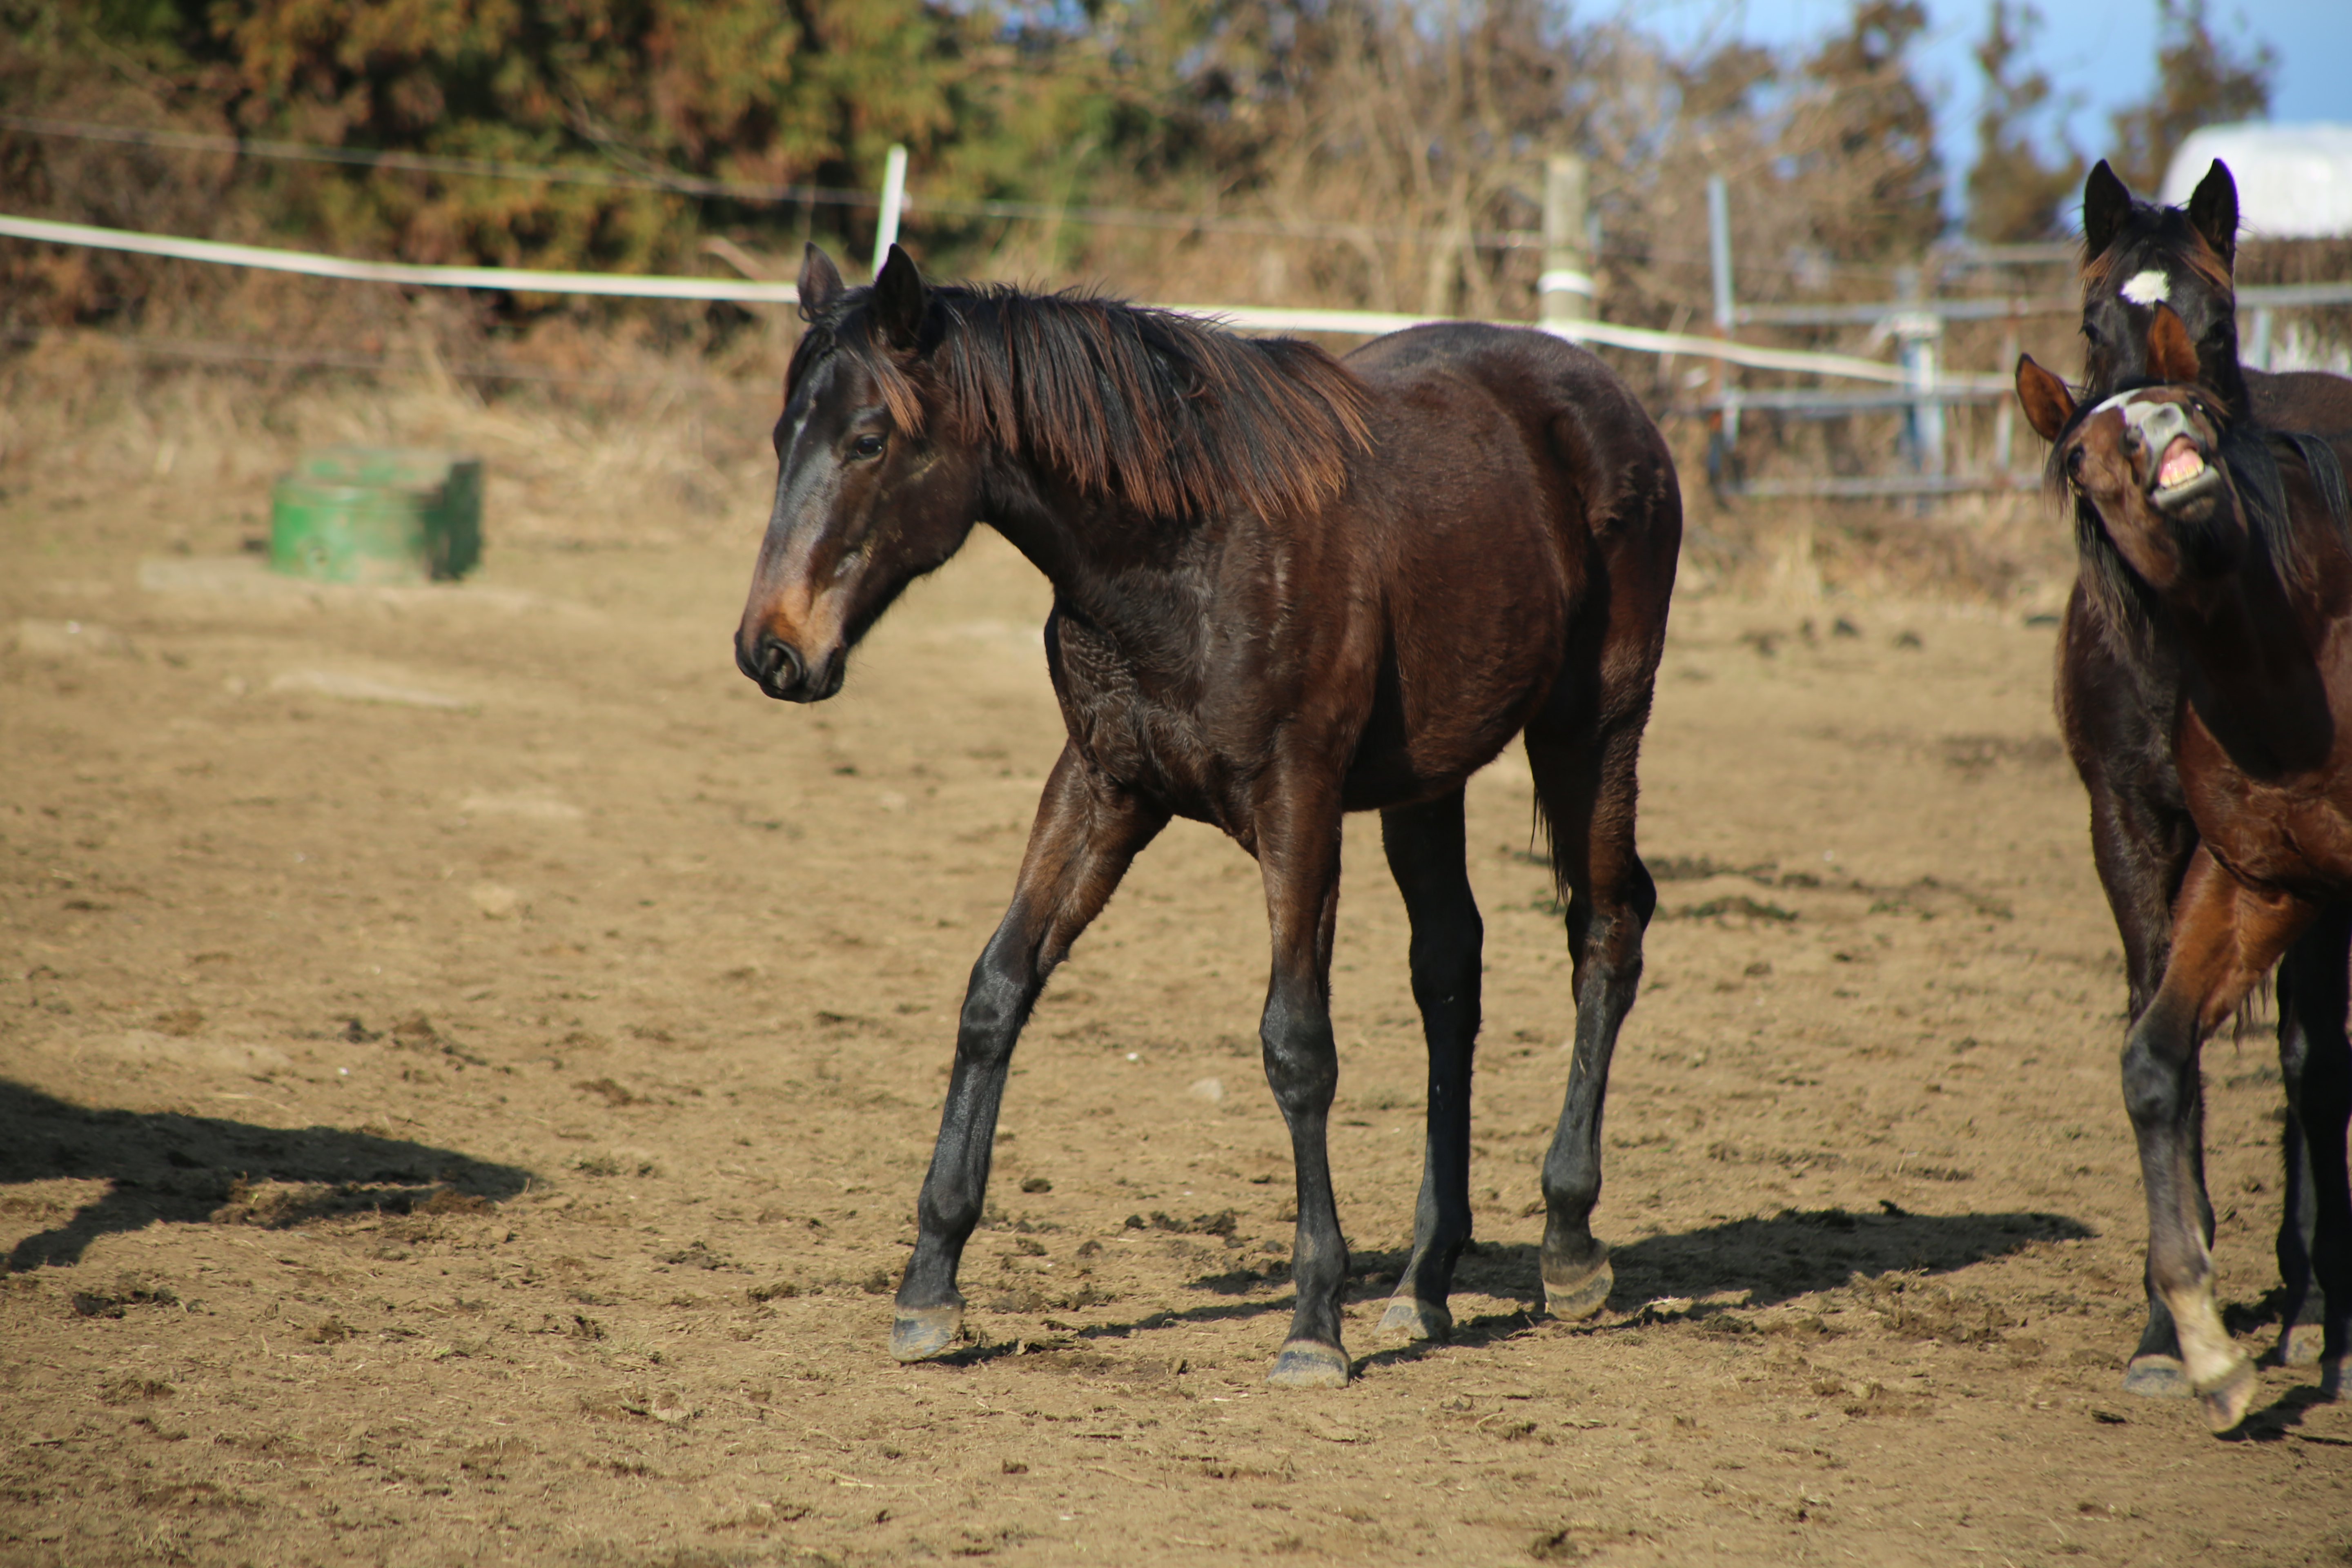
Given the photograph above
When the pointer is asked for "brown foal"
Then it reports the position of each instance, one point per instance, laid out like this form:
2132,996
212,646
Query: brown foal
1286,587
2219,565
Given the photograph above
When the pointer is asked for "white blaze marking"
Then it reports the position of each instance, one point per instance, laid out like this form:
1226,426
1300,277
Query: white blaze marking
2148,287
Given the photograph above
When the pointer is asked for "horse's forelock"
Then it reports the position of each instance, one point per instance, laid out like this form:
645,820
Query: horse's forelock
2171,231
847,332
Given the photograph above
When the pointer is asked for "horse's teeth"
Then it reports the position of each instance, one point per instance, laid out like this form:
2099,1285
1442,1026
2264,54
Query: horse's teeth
2181,466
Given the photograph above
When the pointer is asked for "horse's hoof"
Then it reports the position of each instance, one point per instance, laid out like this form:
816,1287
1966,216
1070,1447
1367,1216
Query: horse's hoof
1573,1299
2226,1397
1416,1319
2301,1345
918,1333
1303,1363
2157,1377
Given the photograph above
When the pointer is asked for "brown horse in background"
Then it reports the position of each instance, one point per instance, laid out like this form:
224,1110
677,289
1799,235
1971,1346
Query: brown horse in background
2219,566
2117,715
1286,587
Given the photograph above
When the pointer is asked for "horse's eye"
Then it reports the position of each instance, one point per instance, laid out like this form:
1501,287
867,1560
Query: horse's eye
868,446
2074,463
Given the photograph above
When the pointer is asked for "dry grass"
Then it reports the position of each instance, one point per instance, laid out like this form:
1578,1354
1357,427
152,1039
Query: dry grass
656,448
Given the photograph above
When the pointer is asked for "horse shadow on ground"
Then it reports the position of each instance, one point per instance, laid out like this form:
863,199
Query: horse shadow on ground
1772,1258
2280,1419
179,1169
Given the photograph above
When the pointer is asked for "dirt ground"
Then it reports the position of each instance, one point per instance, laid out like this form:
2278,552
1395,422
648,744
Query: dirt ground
466,1061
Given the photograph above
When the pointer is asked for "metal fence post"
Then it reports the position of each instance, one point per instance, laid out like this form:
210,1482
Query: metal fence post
1916,331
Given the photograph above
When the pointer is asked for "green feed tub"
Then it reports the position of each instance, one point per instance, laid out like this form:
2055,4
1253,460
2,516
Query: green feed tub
375,515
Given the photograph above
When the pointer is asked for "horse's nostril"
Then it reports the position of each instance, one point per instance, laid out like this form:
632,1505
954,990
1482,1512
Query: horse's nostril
780,663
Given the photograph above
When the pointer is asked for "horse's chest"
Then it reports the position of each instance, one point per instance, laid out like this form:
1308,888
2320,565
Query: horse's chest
1134,725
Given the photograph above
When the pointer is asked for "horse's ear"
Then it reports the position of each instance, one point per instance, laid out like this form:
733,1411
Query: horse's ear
820,283
898,299
2048,405
2106,203
2171,356
2213,211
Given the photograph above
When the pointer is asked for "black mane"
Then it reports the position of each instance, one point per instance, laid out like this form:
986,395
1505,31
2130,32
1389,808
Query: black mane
1176,416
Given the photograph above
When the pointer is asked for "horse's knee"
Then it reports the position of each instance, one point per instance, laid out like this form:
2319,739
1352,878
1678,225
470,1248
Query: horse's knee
995,1004
1302,1064
2157,1091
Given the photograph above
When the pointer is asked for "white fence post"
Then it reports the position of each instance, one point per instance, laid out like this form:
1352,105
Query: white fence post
1718,255
1564,292
894,198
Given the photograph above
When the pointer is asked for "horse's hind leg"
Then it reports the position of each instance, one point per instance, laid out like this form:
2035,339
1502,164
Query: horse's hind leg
1298,849
1585,786
1085,835
1425,853
2314,1241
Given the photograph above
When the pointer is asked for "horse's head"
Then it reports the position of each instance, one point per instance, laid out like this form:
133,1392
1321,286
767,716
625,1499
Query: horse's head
2138,256
2146,461
869,495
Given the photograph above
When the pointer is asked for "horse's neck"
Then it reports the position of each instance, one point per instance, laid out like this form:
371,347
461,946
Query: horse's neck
2254,647
1101,555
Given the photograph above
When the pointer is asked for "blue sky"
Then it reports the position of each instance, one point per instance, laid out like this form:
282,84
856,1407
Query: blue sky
2100,52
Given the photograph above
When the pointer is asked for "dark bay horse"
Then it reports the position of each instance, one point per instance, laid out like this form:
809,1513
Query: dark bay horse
2219,563
1286,587
2117,715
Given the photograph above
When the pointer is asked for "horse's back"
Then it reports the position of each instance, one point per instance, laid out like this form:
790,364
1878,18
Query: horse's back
1583,437
2315,402
1526,369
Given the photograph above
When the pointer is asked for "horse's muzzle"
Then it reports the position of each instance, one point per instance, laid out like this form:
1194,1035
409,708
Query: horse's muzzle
778,668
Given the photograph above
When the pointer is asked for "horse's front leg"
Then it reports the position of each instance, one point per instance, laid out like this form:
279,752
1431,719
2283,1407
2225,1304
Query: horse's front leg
1087,833
2225,936
1298,858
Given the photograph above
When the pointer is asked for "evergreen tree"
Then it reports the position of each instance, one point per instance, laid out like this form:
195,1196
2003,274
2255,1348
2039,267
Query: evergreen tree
1884,133
2201,80
2013,194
